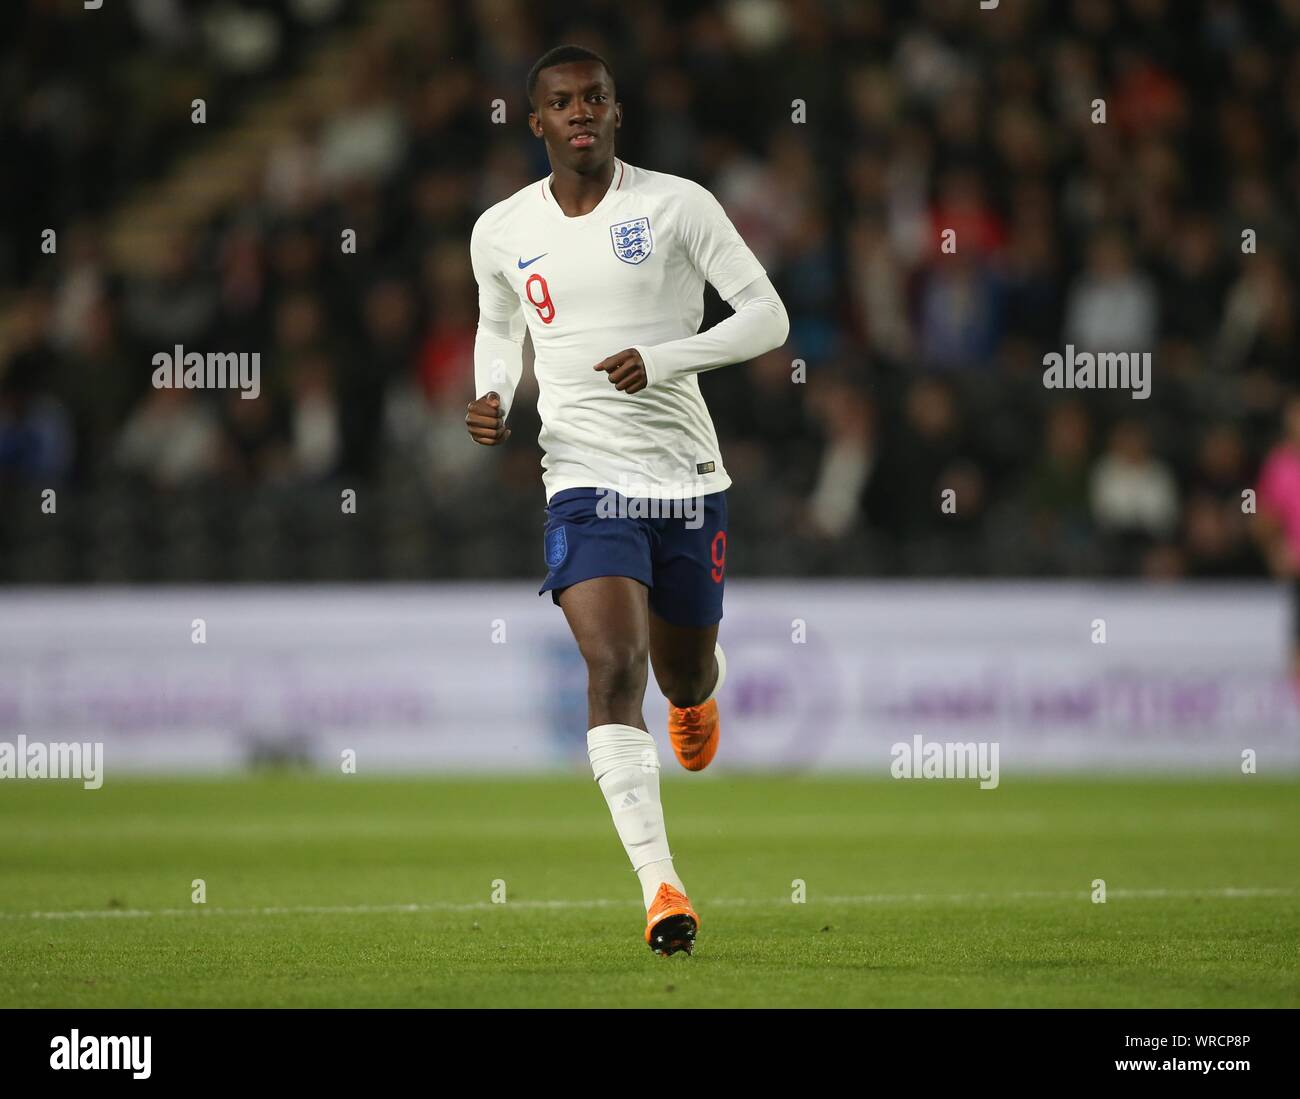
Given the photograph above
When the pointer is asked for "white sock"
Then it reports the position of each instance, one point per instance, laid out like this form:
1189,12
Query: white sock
626,765
722,671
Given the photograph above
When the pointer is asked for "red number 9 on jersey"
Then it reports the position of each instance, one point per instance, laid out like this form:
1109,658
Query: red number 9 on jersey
545,307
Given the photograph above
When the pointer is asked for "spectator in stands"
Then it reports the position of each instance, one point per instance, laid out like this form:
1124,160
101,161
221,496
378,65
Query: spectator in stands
1134,495
1056,491
314,421
178,305
36,435
1112,306
847,462
1119,235
171,440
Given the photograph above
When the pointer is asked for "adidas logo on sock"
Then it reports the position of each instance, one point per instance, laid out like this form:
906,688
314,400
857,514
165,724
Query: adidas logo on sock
629,799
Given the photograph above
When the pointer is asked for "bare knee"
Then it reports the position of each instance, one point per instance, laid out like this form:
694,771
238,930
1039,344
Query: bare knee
687,684
616,677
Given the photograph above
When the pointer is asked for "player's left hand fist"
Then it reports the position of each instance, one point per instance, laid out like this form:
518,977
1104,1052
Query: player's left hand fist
626,371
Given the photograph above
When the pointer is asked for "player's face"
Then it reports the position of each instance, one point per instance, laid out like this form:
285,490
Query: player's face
576,114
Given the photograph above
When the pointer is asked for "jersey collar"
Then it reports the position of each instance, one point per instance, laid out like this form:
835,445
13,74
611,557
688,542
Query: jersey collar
614,185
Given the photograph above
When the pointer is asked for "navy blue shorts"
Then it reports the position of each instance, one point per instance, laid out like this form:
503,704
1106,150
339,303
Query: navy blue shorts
676,548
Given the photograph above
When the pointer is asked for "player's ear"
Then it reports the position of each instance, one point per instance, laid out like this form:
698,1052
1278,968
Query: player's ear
618,114
534,124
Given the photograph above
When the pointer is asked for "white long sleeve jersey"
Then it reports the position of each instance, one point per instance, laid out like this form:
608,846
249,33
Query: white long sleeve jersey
629,274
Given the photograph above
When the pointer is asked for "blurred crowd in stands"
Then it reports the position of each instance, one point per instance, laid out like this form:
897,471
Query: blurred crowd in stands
923,368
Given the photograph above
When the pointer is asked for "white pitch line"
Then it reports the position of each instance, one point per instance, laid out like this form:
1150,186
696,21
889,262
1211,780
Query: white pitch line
718,902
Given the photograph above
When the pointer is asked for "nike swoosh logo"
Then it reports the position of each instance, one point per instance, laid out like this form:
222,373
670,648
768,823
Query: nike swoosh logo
523,263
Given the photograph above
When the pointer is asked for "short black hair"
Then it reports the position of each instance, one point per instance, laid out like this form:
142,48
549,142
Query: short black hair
562,55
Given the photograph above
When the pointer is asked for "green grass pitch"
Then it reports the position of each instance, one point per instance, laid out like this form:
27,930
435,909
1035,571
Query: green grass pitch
347,891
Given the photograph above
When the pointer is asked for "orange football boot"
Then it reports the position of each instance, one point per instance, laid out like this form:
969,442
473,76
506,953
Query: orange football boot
671,923
694,732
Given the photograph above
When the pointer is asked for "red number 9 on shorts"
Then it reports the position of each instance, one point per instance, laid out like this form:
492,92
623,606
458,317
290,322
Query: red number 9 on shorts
718,551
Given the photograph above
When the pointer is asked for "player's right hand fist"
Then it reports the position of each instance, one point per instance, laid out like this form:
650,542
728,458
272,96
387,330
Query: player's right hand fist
486,422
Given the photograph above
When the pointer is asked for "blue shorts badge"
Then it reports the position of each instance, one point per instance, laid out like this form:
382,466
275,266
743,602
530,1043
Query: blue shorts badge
632,240
557,547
